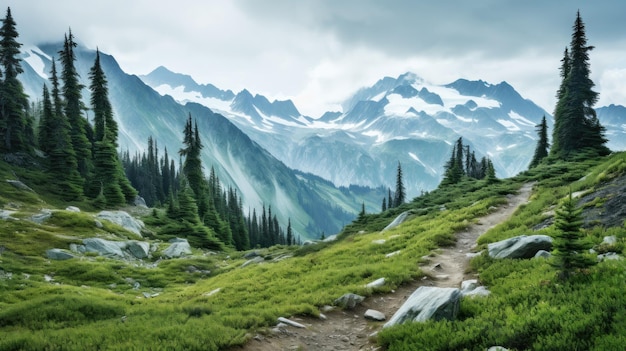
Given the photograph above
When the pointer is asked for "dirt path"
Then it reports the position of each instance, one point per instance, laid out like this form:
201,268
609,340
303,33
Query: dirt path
349,330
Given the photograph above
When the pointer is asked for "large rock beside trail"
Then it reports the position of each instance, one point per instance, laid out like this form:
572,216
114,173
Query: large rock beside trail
522,246
397,221
427,303
178,247
349,301
122,219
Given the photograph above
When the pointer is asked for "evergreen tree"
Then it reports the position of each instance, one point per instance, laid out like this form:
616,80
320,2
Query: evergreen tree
45,123
362,213
73,107
192,167
389,199
186,222
108,174
490,174
541,151
384,206
290,239
569,244
65,179
14,123
400,190
576,125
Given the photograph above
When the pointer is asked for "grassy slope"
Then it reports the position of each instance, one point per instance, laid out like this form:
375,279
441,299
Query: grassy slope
92,301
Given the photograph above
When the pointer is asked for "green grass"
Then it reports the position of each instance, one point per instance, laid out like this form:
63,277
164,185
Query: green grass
94,302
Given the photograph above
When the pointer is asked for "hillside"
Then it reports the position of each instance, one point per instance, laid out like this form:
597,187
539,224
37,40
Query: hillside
219,300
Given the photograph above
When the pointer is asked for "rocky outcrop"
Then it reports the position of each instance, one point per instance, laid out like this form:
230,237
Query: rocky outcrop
397,221
59,255
139,249
349,301
178,248
19,185
114,249
7,215
42,216
257,259
122,219
520,246
428,303
105,247
472,288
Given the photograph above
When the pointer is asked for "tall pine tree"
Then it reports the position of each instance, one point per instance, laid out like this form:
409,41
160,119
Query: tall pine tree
576,126
14,122
108,176
400,189
541,151
62,164
73,107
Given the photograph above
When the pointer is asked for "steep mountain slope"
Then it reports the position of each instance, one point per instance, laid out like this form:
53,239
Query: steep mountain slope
260,178
415,119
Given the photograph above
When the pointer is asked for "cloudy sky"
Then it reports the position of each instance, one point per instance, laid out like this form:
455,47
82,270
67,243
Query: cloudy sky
318,52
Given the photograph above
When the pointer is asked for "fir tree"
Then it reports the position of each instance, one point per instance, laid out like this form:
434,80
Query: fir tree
400,190
290,239
14,122
568,243
62,164
186,222
73,107
389,199
192,166
576,126
384,206
362,213
108,173
541,151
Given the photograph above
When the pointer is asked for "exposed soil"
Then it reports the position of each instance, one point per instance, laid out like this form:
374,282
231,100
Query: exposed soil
349,330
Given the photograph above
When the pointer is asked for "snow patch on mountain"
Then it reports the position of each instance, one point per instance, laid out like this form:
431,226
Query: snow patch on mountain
511,126
520,119
33,56
181,96
430,169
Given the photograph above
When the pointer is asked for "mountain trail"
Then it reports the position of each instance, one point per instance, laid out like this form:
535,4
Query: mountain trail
349,330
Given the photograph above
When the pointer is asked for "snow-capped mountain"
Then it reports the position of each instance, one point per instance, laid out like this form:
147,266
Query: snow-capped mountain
313,204
400,119
403,119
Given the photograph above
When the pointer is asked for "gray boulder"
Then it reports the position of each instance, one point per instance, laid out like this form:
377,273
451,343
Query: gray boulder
59,255
105,247
349,301
543,254
122,219
397,221
178,248
609,240
257,259
520,246
427,303
376,283
471,288
251,254
19,185
374,315
42,216
72,209
139,249
139,201
6,215
609,256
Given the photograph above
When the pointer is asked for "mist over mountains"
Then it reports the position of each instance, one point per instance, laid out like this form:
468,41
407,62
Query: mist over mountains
319,171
